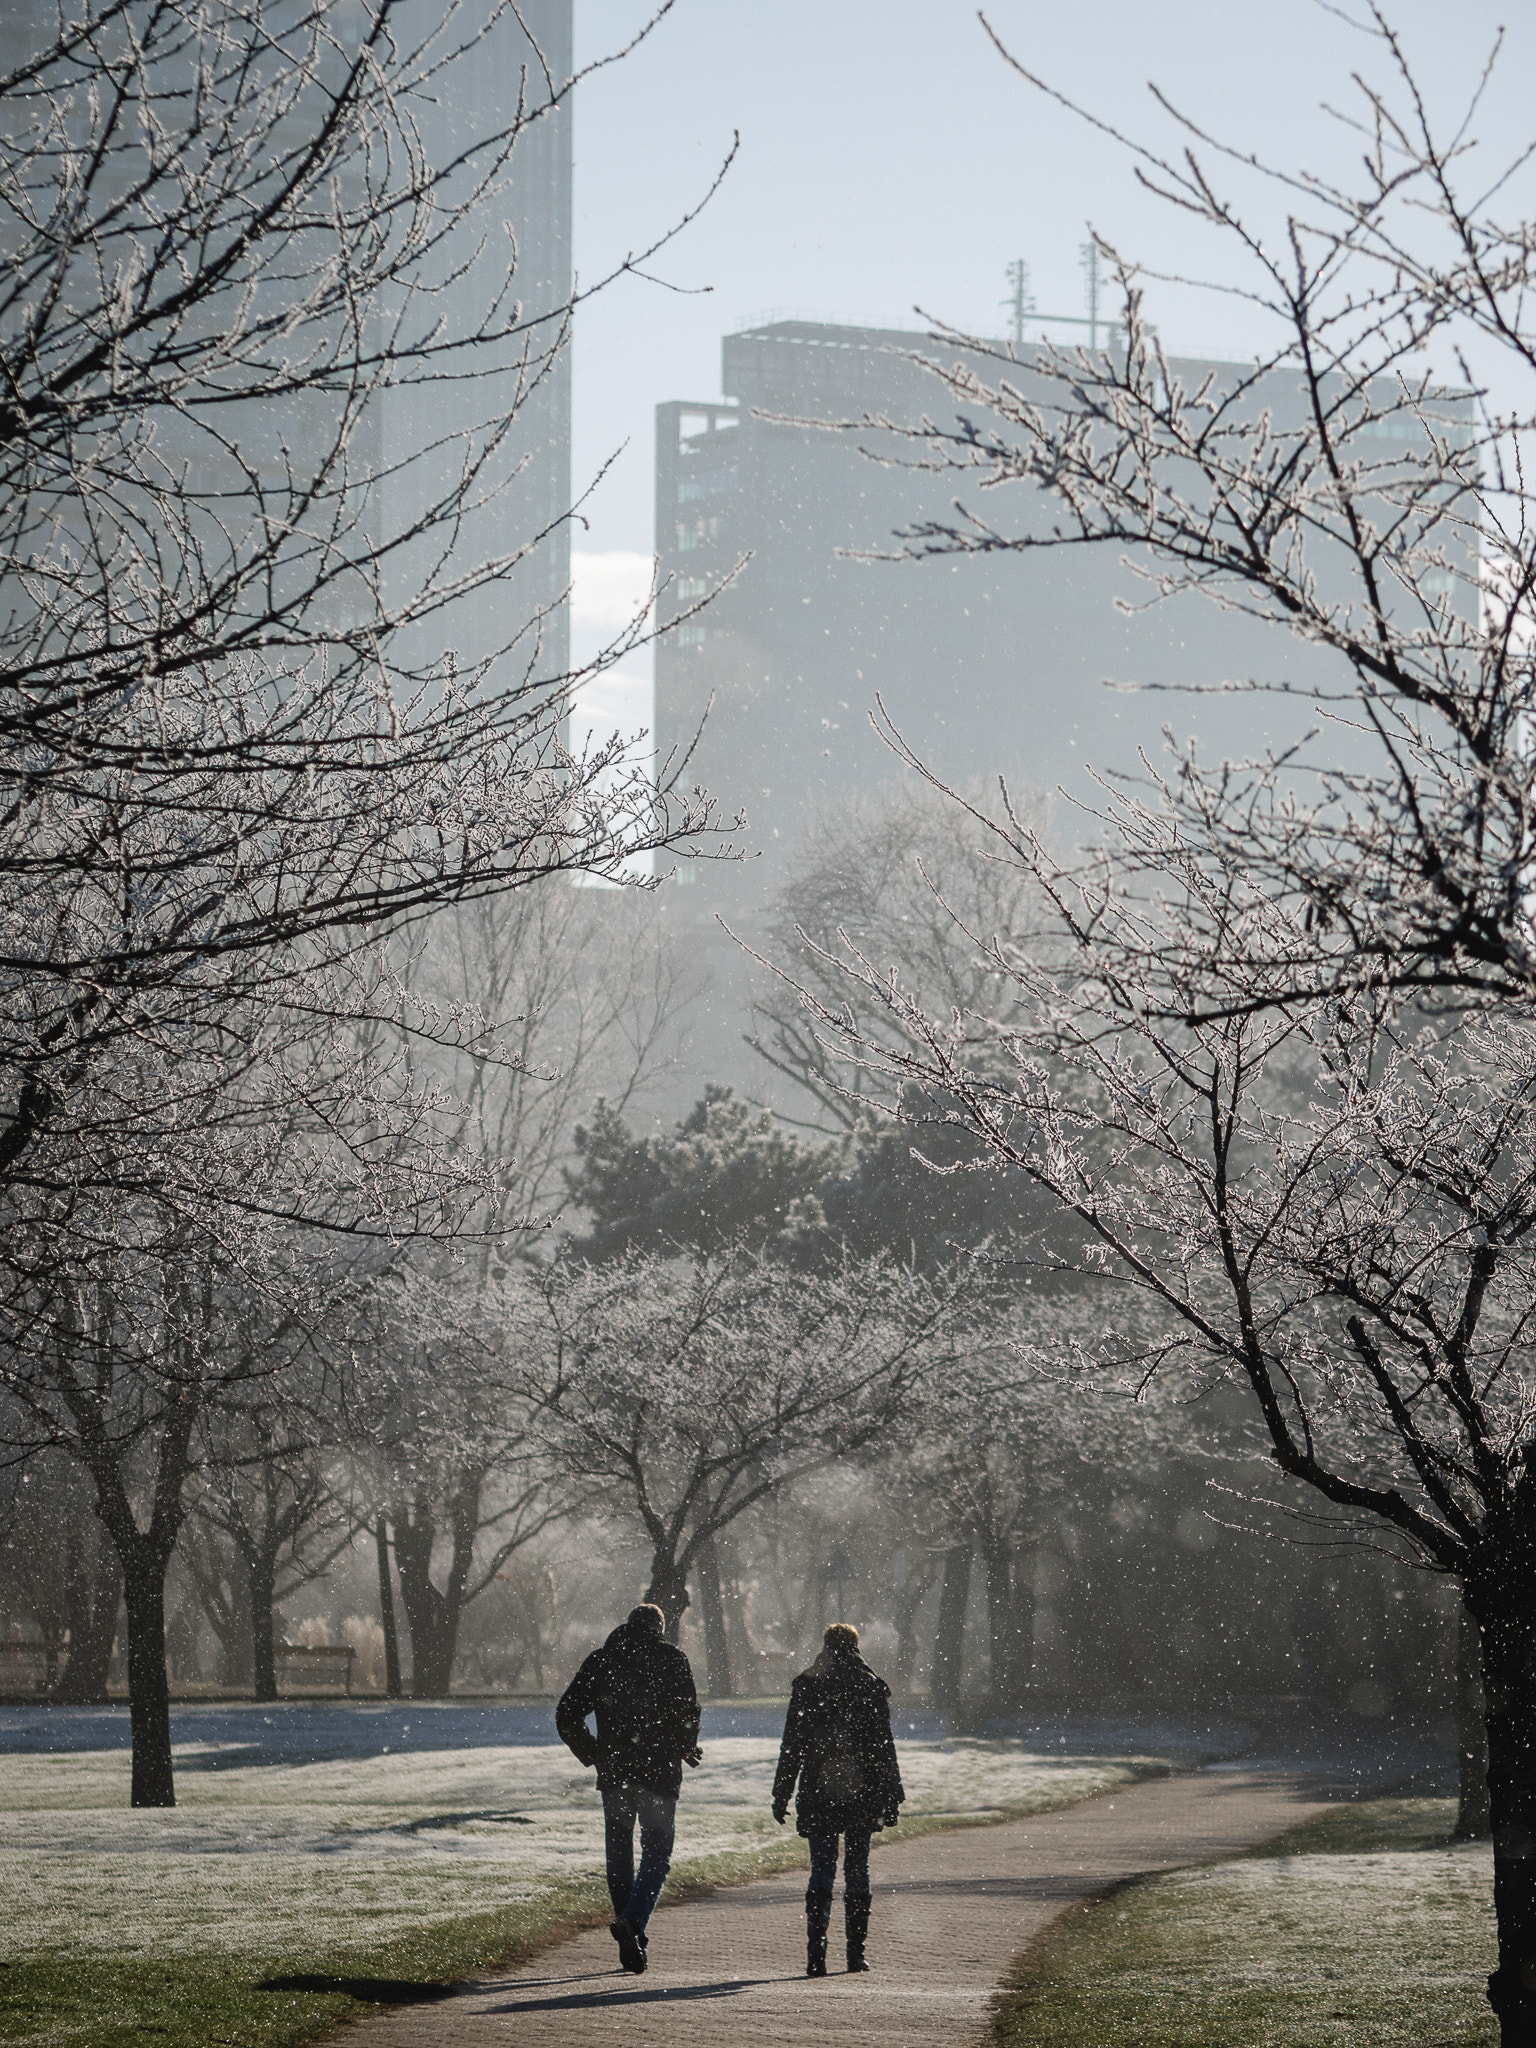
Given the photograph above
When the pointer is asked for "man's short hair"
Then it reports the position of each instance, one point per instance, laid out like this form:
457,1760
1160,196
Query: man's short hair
648,1615
842,1639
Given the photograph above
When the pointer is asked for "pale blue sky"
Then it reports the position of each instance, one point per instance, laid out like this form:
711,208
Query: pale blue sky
889,158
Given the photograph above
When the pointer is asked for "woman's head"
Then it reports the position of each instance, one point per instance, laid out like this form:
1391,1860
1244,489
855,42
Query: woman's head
841,1640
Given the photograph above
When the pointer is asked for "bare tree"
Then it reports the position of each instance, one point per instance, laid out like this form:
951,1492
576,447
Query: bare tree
1356,1257
893,871
266,1487
459,1468
693,1390
59,1566
579,989
226,767
222,752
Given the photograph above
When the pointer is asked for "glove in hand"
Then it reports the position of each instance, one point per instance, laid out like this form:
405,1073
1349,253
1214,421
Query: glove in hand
779,1811
890,1817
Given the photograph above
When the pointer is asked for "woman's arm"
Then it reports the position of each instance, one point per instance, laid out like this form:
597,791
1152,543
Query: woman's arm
791,1754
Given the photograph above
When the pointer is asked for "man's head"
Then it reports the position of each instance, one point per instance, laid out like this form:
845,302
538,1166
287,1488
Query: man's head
648,1616
841,1639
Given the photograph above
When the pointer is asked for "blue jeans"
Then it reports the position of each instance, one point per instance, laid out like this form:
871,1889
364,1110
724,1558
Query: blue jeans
634,1894
855,1864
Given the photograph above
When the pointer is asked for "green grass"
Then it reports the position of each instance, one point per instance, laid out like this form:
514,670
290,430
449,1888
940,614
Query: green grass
285,2000
1363,1928
275,2001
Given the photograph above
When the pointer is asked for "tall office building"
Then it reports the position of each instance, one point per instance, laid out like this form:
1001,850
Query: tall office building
1002,663
528,222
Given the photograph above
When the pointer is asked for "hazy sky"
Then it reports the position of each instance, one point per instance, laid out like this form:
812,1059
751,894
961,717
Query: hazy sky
889,158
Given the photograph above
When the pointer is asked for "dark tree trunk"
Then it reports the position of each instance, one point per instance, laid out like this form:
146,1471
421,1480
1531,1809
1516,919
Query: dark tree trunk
433,1615
949,1643
717,1644
910,1595
1010,1627
262,1575
669,1590
392,1687
95,1595
1507,1613
238,1638
1002,1659
1471,1730
148,1690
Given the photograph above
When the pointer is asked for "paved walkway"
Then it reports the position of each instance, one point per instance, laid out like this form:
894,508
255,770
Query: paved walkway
951,1910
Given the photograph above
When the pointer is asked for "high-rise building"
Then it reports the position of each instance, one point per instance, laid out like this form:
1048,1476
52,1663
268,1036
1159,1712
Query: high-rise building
504,76
1003,663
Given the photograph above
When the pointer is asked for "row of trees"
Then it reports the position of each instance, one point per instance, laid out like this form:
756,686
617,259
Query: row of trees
1261,1057
1266,1044
241,760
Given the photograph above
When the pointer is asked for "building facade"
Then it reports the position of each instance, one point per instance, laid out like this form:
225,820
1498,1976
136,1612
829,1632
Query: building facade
505,76
1029,665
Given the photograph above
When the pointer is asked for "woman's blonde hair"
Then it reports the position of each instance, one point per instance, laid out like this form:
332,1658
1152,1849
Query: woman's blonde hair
840,1640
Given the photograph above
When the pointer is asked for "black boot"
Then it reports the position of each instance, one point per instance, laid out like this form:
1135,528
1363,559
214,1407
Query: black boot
855,1927
818,1918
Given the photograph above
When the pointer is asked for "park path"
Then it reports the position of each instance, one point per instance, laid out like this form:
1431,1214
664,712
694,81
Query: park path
951,1911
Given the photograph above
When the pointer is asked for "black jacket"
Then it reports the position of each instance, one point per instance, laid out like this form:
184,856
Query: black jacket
838,1743
641,1689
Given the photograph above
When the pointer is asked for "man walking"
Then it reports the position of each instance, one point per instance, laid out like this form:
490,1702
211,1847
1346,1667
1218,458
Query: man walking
641,1689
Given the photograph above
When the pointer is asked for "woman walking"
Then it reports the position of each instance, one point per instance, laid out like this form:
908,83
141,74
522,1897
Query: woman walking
838,1744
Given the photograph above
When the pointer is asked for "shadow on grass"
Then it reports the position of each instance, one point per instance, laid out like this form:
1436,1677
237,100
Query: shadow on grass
372,1990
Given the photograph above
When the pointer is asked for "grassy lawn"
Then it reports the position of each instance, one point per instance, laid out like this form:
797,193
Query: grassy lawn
1367,1928
282,1897
282,1999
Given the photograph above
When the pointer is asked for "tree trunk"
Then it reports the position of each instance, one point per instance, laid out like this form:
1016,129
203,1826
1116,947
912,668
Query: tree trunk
95,1595
998,1562
716,1642
1508,1619
915,1579
238,1638
434,1616
1471,1731
148,1690
261,1572
949,1643
1010,1613
392,1686
669,1590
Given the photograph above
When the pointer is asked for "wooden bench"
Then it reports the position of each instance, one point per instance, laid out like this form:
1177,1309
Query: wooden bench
333,1659
34,1664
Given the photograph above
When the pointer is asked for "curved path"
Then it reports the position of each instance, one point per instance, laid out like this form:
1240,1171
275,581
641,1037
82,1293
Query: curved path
951,1911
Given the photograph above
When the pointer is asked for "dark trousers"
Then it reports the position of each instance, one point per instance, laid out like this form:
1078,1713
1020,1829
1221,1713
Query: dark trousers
855,1864
634,1893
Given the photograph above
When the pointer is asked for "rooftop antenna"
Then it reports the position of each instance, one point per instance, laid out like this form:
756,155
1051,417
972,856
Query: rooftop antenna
1020,300
1090,256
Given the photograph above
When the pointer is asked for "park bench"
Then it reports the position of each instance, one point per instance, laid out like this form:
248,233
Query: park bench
30,1667
308,1663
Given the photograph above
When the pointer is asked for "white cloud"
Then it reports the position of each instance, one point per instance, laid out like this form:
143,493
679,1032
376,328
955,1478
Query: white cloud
618,700
608,591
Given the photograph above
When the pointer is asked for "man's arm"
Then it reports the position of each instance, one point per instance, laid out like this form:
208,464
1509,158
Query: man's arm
576,1702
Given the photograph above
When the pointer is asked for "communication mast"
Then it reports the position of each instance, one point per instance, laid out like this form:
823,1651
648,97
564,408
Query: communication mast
1020,300
1090,255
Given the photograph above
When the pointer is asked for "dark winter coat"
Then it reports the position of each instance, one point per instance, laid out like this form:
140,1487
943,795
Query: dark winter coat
838,1744
641,1689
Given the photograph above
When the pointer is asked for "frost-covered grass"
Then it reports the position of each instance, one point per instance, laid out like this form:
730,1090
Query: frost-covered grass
334,1853
278,1893
1370,1930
